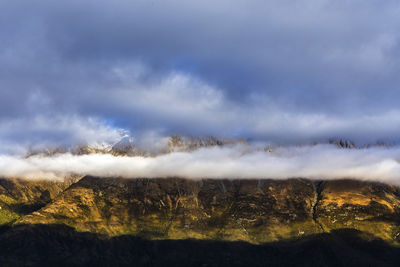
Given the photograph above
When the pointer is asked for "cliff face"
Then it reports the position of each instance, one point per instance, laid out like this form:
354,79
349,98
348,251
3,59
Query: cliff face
255,211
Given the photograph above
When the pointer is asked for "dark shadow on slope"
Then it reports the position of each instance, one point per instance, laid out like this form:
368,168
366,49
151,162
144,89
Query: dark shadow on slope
26,208
58,245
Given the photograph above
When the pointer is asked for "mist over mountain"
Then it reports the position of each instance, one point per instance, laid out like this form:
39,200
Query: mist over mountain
197,158
199,133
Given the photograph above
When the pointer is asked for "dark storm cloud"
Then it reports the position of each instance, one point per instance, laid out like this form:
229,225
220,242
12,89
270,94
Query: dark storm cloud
278,70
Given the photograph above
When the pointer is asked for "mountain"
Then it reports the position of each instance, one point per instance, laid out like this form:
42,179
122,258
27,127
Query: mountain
342,222
19,197
187,144
179,208
126,146
343,143
255,211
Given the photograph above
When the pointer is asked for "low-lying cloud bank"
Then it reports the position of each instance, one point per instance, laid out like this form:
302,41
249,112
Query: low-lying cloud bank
239,161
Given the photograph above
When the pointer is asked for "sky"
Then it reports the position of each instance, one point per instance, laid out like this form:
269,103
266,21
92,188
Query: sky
279,71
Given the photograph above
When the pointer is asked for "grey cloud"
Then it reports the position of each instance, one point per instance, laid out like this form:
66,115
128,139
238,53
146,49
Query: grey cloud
17,136
271,70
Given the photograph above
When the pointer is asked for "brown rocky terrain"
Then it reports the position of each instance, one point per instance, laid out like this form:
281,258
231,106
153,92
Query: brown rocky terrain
19,197
255,211
181,222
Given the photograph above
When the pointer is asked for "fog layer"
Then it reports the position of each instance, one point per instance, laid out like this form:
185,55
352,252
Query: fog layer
238,161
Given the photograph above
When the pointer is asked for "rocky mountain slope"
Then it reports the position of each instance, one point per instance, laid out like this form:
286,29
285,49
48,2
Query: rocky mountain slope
255,211
19,197
179,222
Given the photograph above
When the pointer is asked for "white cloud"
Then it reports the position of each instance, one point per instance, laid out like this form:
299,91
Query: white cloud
239,161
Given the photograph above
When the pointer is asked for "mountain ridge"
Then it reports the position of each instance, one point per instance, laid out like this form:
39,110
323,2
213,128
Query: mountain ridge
127,146
255,211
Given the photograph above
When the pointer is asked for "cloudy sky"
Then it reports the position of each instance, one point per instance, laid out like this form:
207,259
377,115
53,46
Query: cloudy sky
280,71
